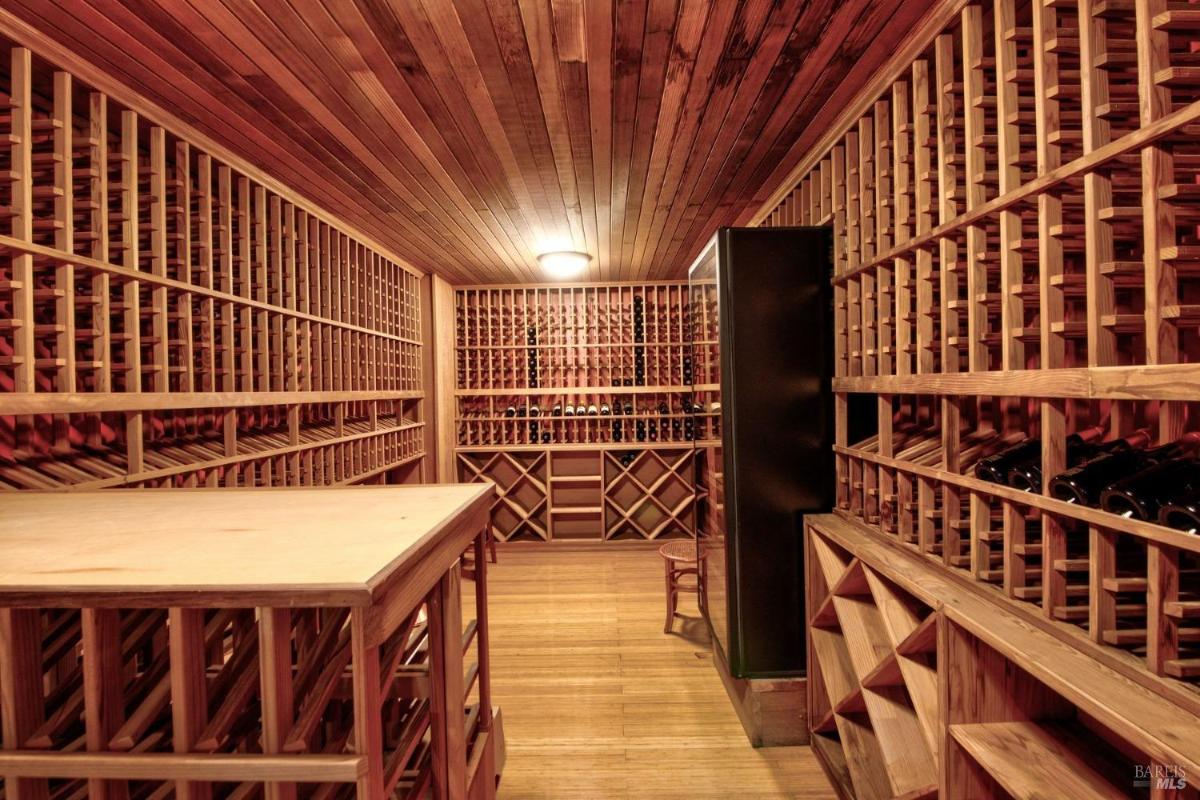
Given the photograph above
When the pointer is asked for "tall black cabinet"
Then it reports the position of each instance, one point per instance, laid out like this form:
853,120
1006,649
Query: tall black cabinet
774,462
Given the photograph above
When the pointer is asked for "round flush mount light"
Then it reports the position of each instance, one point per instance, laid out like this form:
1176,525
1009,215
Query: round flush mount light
563,264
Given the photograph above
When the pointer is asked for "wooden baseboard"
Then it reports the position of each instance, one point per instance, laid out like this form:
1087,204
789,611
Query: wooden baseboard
773,711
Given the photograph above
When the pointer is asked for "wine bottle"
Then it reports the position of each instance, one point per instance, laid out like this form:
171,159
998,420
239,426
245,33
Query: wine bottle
511,411
569,410
557,410
628,409
663,408
591,410
534,411
545,437
1182,513
580,410
1083,484
994,468
1143,494
1026,475
605,410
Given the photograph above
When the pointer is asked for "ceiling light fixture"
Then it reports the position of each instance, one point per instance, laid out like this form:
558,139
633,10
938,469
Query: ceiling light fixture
563,264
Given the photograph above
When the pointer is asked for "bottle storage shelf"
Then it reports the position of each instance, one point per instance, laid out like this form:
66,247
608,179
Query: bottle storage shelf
565,494
621,377
1016,240
171,320
592,337
923,684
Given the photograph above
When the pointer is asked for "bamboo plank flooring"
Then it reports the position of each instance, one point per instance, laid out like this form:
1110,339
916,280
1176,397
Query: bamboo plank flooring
599,703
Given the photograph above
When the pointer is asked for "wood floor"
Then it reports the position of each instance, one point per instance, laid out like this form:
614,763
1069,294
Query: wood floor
599,703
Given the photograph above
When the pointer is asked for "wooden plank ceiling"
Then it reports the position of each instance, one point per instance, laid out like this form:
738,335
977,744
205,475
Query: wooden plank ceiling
470,135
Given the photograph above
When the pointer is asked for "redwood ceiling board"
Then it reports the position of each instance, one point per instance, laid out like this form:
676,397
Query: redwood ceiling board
471,135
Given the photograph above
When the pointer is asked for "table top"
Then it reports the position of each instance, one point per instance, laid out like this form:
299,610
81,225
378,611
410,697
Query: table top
208,547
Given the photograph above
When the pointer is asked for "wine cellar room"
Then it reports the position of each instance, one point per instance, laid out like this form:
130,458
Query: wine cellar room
599,399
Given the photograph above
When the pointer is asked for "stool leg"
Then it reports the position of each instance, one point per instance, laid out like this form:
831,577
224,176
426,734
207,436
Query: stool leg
491,540
671,596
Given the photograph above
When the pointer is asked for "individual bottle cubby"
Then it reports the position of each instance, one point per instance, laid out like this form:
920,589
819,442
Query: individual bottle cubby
1011,735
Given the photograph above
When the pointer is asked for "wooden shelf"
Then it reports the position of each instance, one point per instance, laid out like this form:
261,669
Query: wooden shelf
1027,757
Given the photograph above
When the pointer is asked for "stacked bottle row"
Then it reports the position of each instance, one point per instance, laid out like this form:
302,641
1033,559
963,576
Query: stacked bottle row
1123,476
588,418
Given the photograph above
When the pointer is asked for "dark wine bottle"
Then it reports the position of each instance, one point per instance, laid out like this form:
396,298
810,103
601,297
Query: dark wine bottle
511,411
1143,495
569,410
1182,513
1027,475
534,411
592,410
557,410
994,468
605,410
628,408
1083,484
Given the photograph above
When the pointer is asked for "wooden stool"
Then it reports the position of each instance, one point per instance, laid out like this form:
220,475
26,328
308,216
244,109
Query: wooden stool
680,558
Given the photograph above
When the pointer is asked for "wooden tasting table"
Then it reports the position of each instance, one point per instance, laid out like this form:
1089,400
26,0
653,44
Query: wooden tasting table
309,641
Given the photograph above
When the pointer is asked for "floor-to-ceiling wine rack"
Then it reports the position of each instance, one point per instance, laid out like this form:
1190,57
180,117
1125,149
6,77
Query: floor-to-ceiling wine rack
1015,203
169,317
584,404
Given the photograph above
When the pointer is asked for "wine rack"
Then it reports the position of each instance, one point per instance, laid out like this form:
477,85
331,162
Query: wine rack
1016,245
170,317
584,402
649,493
924,685
592,338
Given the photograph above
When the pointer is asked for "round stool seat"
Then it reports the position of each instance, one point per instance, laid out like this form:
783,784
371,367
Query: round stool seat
679,550
683,559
